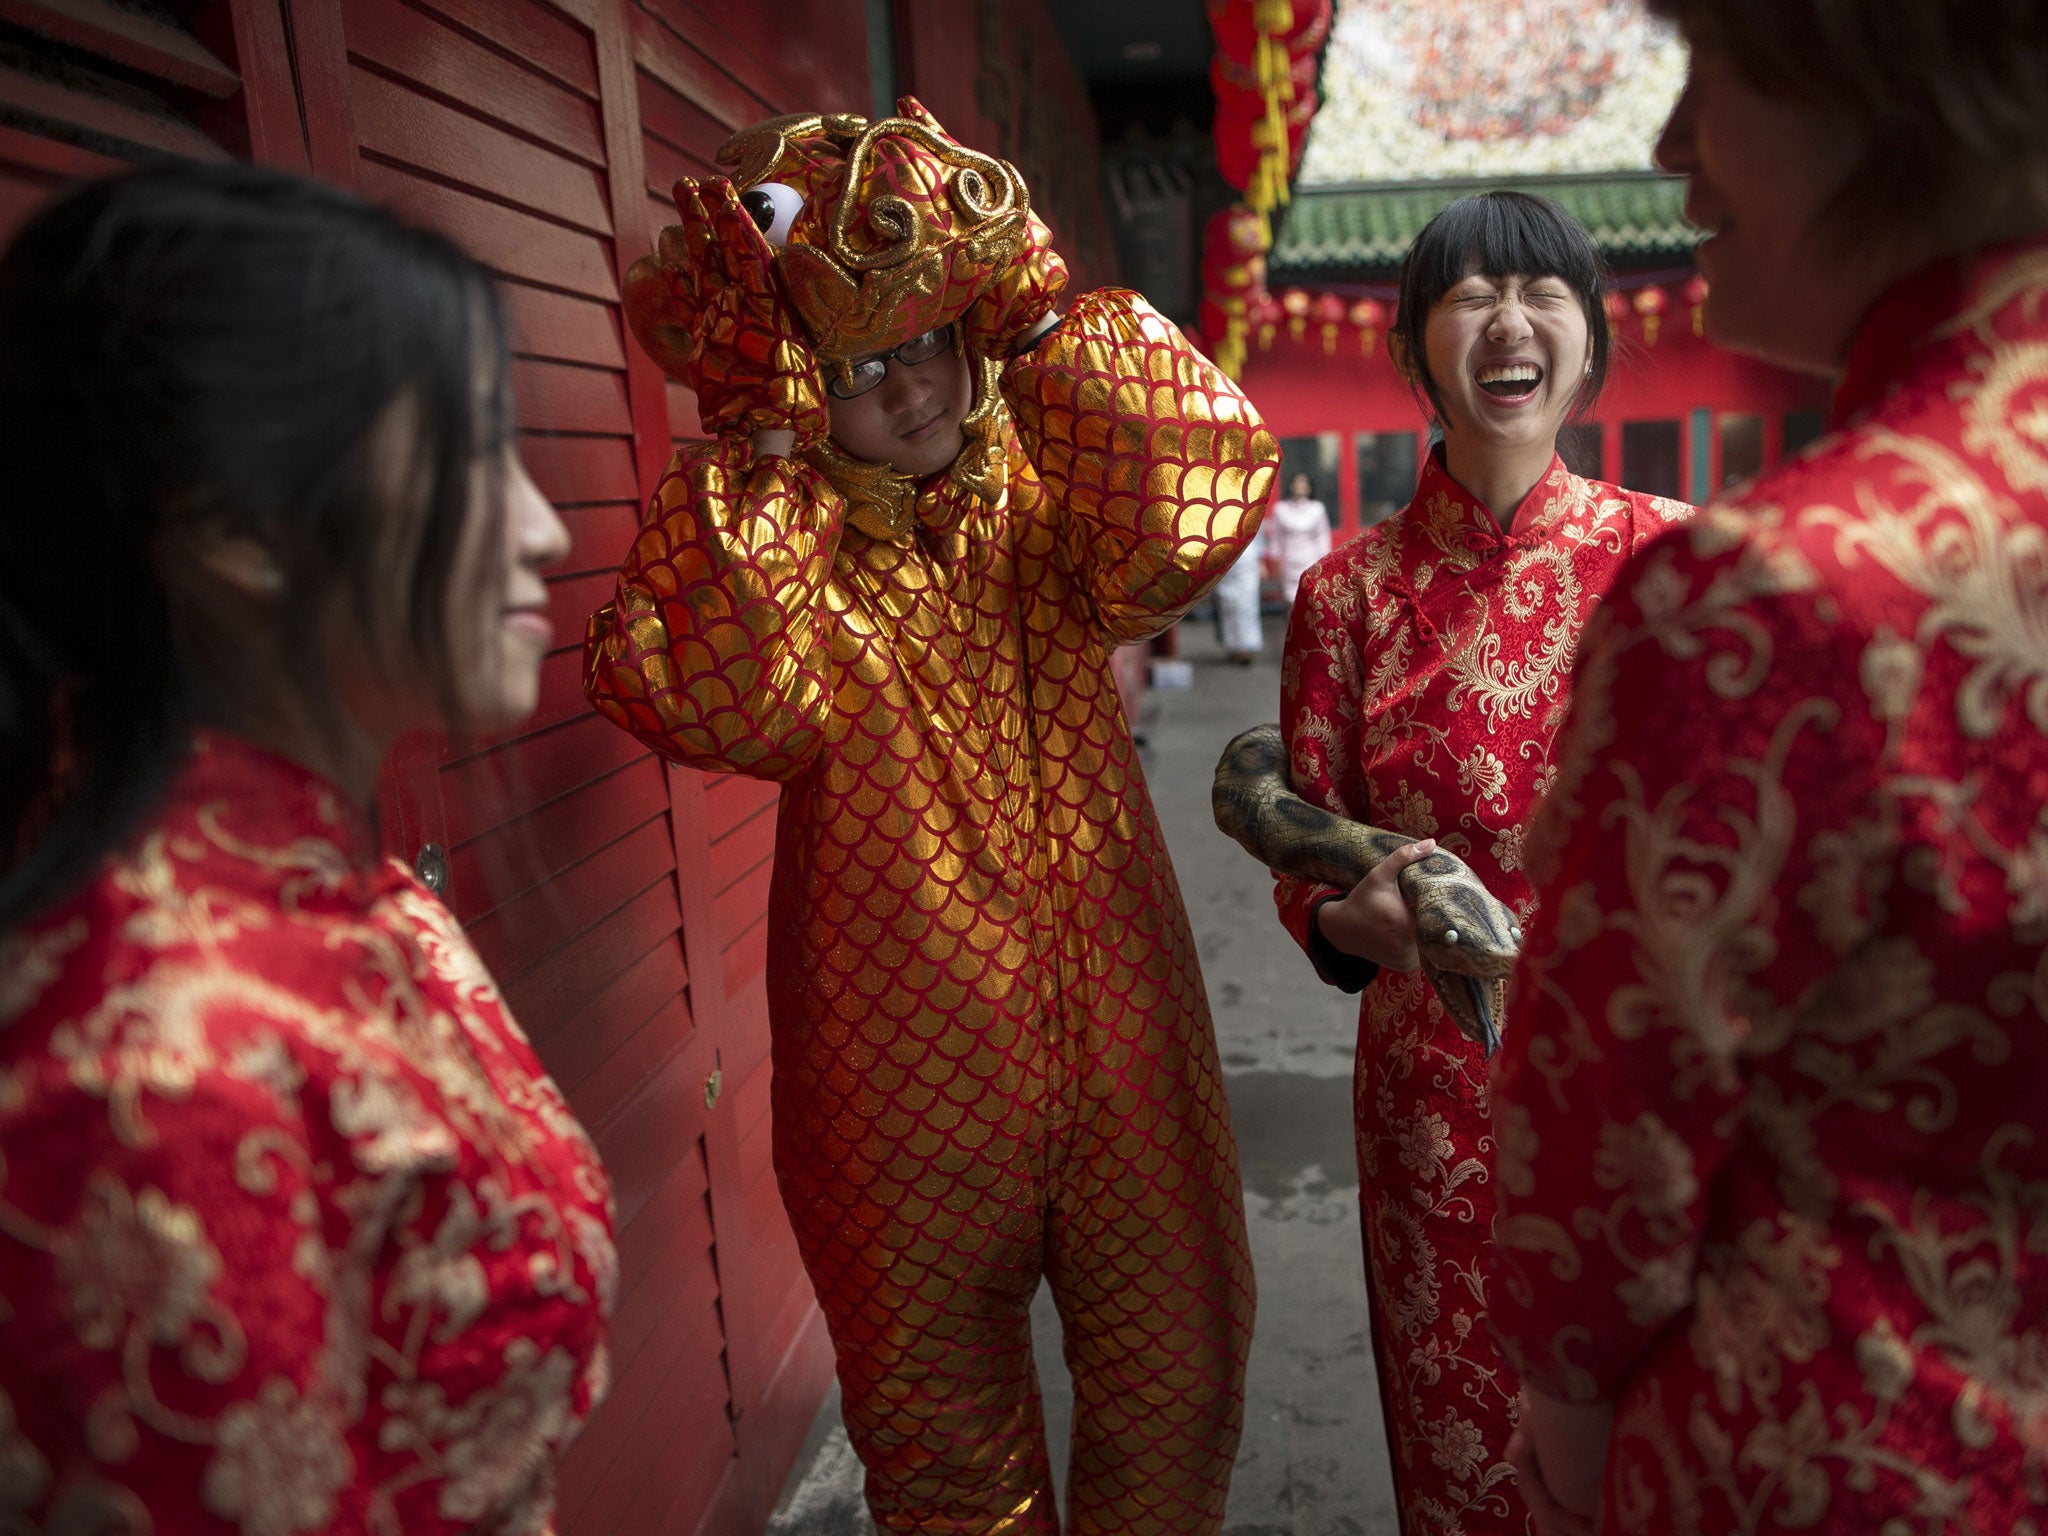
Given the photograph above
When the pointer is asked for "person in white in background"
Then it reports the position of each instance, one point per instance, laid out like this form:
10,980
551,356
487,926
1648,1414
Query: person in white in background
1237,603
1299,530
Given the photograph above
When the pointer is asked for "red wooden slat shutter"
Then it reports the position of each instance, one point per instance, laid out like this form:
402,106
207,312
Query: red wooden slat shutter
622,904
88,88
492,124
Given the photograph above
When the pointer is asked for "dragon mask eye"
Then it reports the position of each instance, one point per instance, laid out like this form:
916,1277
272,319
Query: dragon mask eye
773,206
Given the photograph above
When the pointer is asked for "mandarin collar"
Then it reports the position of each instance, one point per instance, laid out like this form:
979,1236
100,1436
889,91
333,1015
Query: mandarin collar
1446,520
1912,316
274,812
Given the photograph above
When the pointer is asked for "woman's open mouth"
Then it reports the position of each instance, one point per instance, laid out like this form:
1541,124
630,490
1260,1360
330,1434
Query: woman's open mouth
1510,383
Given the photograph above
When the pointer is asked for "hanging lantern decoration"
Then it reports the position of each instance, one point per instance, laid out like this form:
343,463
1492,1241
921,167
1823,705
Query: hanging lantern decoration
1237,89
1329,313
1233,272
1618,309
1264,79
1695,295
1651,303
1295,305
1299,28
1237,157
1233,255
1366,316
1264,315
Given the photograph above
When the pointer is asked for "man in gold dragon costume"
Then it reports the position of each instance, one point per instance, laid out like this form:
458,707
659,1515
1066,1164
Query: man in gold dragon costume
930,507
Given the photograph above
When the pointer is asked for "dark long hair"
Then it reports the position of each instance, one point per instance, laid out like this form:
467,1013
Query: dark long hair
195,351
1501,234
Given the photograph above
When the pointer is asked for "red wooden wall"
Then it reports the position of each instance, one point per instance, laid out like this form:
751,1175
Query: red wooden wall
622,904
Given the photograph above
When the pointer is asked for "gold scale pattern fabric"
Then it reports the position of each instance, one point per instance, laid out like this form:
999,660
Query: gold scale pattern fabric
993,1058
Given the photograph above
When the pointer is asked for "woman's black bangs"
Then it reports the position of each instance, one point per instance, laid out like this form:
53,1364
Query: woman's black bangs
1503,234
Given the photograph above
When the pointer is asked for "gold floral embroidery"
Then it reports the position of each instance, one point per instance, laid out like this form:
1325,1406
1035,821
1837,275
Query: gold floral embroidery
492,1449
140,1274
29,962
169,916
1890,673
1649,1164
24,1470
1484,777
1975,560
140,1264
1759,1307
278,1463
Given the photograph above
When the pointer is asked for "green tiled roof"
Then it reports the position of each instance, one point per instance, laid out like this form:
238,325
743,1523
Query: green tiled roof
1335,233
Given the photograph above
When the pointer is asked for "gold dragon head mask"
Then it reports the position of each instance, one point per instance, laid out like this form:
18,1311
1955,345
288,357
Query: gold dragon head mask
883,231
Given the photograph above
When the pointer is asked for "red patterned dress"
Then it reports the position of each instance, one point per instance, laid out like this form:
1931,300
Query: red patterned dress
1423,684
1774,1156
295,1233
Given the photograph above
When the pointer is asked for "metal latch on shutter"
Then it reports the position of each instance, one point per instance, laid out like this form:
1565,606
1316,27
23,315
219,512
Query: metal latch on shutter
711,1086
431,865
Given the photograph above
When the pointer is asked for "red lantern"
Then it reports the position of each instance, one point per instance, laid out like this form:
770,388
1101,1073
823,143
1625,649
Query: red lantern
1311,27
1329,313
1233,273
1295,304
1651,303
1366,316
1264,315
1237,88
1216,323
1695,294
1231,238
1617,307
1237,158
1297,27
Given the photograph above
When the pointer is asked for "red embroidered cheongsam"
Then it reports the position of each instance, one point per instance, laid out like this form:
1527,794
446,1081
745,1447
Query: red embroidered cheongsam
1423,684
295,1233
1774,1142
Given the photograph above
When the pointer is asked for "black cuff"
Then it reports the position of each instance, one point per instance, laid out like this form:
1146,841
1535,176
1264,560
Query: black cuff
1026,348
1347,973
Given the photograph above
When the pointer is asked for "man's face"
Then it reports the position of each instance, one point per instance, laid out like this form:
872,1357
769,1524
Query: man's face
911,420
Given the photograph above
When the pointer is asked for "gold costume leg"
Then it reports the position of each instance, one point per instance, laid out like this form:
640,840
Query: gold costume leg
1151,1267
924,1246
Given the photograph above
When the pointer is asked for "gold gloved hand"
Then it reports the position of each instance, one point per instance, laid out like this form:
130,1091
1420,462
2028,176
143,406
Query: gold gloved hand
1017,294
709,308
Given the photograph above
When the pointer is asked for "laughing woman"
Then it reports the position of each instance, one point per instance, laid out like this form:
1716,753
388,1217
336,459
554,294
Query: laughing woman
1423,682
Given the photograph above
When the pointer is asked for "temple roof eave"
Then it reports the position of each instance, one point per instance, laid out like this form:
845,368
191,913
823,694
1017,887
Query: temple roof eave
1359,232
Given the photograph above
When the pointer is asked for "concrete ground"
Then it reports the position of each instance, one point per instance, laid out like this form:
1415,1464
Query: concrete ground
1314,1457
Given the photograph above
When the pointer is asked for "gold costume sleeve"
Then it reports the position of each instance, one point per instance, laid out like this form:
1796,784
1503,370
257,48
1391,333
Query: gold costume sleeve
1161,466
713,650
